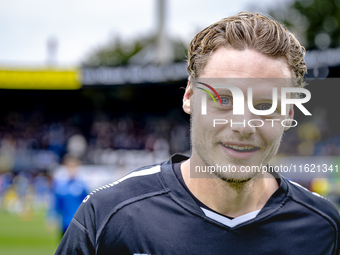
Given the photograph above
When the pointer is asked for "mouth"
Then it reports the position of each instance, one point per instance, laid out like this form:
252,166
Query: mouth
238,148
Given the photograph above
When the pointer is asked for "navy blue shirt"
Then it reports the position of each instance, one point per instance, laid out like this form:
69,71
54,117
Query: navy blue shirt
150,212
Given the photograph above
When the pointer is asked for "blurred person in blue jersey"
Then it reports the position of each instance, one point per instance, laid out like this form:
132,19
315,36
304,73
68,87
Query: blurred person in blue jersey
68,190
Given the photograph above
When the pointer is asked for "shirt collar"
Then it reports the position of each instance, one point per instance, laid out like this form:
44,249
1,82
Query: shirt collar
275,202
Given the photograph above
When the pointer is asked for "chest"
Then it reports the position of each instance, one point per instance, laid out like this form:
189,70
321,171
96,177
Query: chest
171,231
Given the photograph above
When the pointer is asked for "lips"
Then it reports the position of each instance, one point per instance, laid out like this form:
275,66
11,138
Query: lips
241,148
239,151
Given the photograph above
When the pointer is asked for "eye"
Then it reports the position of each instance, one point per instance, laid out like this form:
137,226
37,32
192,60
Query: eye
225,100
264,107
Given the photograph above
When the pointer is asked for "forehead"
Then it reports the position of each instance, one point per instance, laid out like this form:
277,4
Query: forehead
231,63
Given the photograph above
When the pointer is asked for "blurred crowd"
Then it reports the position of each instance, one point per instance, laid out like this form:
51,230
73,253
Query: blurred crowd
314,136
32,144
32,148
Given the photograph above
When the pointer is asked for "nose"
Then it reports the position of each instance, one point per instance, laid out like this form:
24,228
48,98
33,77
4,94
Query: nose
239,124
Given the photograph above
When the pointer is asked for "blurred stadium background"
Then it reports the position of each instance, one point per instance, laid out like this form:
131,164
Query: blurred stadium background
120,108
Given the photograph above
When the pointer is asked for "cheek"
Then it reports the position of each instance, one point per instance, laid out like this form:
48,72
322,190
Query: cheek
201,125
211,126
272,135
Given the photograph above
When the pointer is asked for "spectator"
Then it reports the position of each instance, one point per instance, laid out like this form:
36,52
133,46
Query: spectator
68,190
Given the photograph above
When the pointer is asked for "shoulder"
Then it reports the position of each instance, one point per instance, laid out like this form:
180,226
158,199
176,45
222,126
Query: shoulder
314,202
139,182
103,202
102,205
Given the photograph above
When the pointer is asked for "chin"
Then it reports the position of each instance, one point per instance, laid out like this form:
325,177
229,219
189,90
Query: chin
236,178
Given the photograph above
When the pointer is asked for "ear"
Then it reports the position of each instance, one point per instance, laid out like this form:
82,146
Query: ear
290,116
186,98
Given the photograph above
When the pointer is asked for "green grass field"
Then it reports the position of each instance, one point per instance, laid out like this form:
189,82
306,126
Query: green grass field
27,235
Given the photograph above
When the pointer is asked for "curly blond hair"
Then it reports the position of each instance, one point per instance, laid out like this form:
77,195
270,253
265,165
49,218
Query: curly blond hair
247,30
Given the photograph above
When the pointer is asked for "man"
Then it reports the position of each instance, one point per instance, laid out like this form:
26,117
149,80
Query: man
165,209
68,190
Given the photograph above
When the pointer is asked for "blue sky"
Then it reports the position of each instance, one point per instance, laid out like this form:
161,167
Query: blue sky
82,25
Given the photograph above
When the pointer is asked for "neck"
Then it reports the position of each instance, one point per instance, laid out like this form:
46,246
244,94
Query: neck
230,198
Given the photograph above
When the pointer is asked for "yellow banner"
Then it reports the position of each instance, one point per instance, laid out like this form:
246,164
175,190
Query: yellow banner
48,79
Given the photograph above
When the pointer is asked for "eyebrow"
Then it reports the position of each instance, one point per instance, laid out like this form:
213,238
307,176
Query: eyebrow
211,88
223,90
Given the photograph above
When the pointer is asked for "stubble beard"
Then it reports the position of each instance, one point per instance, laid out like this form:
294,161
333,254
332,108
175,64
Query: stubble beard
204,152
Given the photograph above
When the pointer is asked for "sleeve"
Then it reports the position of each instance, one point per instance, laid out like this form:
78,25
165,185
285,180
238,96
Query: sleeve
75,241
338,235
80,236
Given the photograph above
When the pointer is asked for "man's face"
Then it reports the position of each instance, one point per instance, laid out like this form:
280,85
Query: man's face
237,145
